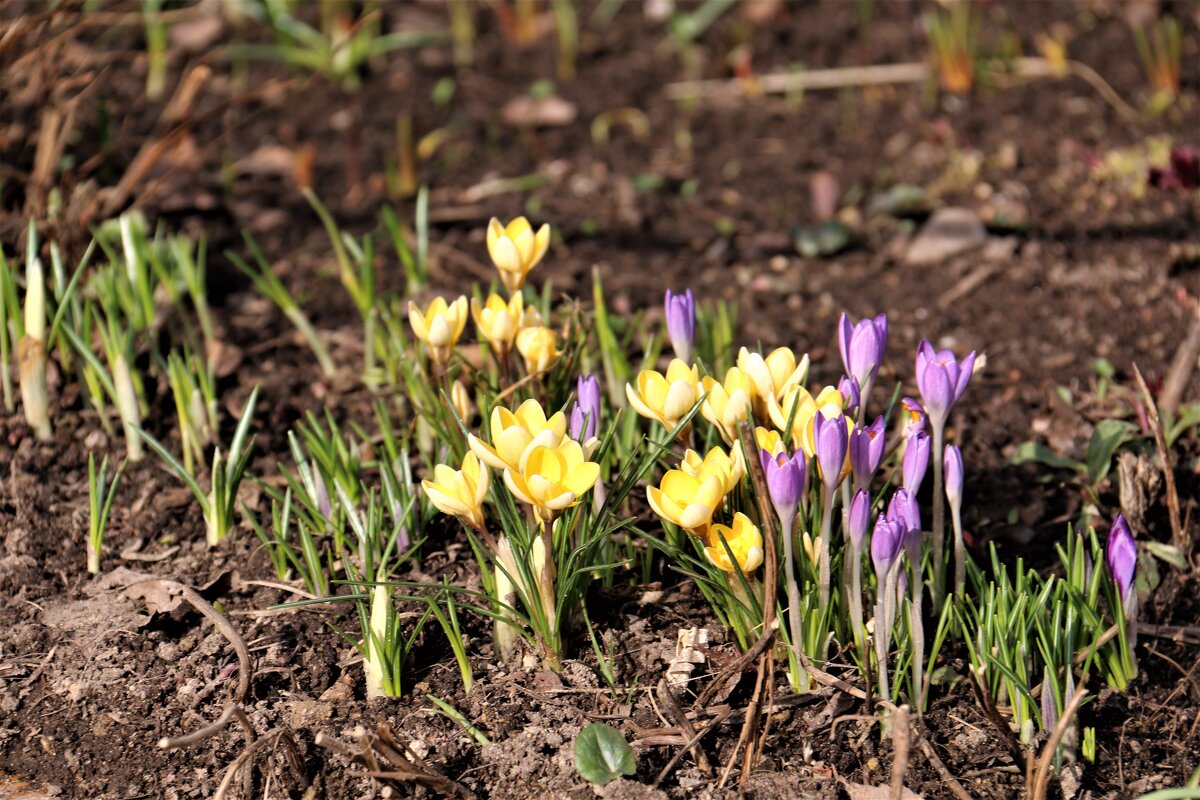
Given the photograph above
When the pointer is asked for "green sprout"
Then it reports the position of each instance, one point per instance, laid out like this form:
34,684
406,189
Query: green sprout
219,503
101,494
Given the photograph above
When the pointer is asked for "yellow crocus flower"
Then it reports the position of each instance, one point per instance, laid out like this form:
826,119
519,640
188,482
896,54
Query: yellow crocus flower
715,463
687,501
830,400
744,540
553,478
515,434
498,321
460,493
668,398
440,325
728,402
538,347
515,249
773,376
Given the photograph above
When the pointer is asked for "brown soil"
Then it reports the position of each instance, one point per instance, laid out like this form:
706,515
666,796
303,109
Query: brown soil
92,680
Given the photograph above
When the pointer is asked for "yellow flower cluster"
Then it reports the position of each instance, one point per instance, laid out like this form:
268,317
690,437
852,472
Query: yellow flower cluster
515,250
691,495
541,465
768,390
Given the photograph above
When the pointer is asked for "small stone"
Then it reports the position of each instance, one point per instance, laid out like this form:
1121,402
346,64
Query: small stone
949,232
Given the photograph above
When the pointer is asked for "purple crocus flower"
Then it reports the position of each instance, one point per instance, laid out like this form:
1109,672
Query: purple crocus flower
860,518
885,545
681,323
785,482
942,379
862,345
851,393
916,461
1121,557
830,440
915,416
954,476
866,451
585,414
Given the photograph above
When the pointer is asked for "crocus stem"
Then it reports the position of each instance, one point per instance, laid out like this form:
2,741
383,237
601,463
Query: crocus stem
886,597
856,607
787,527
823,556
505,632
960,559
939,518
864,396
917,633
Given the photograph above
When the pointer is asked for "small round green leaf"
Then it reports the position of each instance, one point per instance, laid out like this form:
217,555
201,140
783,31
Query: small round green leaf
602,754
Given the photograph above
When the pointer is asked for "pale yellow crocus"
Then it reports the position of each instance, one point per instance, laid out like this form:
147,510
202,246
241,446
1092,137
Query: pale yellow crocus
728,402
498,321
773,376
552,479
687,501
668,398
439,326
515,249
460,493
745,542
515,433
538,347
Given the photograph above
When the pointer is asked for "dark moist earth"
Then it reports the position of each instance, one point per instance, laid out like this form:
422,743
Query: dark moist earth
707,198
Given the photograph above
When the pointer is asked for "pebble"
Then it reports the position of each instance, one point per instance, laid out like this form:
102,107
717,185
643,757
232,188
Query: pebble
949,232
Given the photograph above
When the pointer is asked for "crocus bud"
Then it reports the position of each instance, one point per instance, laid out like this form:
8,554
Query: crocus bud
885,545
942,379
866,451
914,416
851,394
904,510
916,461
585,415
830,442
1121,557
862,345
860,518
681,322
954,476
461,399
785,482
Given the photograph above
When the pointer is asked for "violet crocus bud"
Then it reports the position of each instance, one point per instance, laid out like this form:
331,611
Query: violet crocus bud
866,451
1120,555
942,379
914,416
886,540
681,323
585,414
954,476
916,461
862,345
851,394
785,482
904,510
830,439
859,518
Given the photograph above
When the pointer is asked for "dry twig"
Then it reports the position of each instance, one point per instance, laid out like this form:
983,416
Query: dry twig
1178,535
901,741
